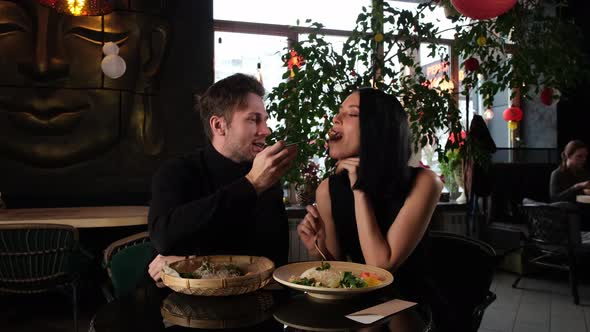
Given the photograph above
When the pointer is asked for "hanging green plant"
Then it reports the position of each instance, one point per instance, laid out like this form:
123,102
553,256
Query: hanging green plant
379,54
523,48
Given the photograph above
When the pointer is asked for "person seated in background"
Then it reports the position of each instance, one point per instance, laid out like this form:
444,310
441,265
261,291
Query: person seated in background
571,178
376,209
224,198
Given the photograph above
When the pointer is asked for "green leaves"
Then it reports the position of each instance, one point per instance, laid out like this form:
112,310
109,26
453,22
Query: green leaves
304,281
350,281
324,266
536,39
532,45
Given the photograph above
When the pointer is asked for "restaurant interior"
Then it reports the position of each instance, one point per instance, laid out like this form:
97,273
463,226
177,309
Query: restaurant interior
96,95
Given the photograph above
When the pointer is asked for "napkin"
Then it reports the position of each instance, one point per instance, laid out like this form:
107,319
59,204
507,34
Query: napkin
380,311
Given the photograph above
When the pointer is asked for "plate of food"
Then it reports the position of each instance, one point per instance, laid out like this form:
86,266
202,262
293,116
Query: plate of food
218,275
332,279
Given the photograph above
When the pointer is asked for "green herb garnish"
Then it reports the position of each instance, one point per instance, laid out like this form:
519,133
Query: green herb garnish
324,266
350,281
304,281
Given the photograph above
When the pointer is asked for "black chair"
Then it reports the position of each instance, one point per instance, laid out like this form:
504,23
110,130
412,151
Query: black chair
463,270
554,240
37,258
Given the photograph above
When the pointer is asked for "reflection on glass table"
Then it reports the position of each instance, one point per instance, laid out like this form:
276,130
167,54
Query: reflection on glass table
153,309
217,312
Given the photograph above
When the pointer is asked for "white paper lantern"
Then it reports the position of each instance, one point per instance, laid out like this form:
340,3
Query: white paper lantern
113,66
110,48
488,114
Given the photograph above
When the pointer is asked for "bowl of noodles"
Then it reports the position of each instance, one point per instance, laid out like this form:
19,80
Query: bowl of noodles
218,275
332,279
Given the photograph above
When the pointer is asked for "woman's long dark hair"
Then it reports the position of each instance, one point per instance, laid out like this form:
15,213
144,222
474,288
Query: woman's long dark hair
384,148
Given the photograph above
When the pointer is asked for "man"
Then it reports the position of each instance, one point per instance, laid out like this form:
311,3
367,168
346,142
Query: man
224,198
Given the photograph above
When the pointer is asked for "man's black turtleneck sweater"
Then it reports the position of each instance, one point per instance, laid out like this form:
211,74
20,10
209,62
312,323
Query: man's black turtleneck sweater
202,204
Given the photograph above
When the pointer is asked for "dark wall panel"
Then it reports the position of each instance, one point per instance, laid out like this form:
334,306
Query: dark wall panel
573,115
68,138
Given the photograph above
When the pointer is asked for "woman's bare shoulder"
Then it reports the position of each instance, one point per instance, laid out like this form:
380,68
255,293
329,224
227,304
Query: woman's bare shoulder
427,179
323,189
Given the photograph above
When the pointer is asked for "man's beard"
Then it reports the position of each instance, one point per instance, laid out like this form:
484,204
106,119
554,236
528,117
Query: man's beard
240,153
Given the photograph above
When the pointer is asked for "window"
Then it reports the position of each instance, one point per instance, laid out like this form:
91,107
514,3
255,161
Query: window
256,32
333,14
243,53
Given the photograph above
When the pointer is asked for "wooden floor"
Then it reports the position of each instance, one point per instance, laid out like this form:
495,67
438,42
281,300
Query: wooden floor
541,305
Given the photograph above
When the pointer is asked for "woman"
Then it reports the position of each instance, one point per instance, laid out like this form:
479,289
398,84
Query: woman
571,178
375,209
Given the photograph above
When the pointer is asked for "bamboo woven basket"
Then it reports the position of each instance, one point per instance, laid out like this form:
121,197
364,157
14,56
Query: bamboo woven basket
258,274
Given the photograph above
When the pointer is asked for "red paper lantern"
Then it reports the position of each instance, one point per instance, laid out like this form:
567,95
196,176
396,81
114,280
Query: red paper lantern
547,96
483,9
512,114
471,64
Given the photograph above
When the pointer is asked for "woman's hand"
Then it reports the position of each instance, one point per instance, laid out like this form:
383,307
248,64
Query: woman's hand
351,165
310,228
582,185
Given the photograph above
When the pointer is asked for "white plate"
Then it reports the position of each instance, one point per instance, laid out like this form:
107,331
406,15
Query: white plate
284,273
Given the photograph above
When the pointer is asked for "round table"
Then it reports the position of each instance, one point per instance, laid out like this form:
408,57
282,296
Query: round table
80,217
152,309
584,199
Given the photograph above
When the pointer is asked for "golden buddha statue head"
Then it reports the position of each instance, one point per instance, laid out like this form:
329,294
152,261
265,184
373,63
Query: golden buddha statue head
57,108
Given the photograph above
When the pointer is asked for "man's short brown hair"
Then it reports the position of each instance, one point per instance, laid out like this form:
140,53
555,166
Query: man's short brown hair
224,97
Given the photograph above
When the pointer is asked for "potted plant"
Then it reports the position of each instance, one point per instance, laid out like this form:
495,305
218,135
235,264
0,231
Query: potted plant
305,191
379,54
452,172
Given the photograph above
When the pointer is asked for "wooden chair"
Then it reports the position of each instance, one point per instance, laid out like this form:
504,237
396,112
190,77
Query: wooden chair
37,258
126,261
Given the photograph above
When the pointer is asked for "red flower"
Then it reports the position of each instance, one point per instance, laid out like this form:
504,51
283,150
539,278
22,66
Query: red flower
547,96
461,140
295,60
471,64
423,165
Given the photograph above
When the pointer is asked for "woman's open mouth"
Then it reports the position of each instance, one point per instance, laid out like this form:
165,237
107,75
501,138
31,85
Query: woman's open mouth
334,135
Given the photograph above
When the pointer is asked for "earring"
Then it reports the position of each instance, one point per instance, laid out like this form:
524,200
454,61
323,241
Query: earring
112,64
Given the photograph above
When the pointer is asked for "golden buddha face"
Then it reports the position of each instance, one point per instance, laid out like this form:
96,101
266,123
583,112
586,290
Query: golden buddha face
56,106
